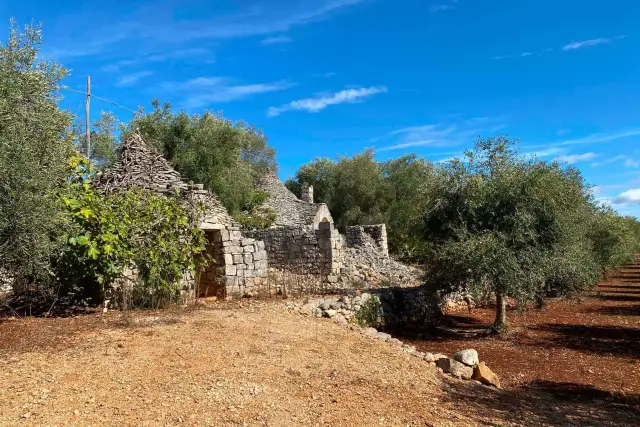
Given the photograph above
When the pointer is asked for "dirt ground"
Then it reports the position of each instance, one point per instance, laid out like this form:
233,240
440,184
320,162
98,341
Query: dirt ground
585,353
254,364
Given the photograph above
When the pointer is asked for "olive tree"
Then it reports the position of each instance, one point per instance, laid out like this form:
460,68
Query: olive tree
503,225
34,147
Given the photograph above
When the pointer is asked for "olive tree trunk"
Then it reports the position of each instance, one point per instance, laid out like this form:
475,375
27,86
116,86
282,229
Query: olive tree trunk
500,323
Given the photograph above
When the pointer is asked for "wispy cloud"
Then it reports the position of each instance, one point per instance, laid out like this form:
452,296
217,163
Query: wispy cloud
441,7
324,75
589,43
322,101
576,158
628,161
566,47
117,66
629,197
589,139
259,19
133,78
440,134
276,40
203,91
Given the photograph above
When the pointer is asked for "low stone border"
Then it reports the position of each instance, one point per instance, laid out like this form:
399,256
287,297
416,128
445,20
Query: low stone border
465,364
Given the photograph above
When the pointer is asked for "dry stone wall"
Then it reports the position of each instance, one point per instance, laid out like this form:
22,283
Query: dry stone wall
240,263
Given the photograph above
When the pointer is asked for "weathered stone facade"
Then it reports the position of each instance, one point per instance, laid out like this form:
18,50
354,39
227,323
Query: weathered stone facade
240,263
301,249
303,240
368,235
291,211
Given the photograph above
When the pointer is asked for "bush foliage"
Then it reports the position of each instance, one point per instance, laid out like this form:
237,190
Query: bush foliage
109,233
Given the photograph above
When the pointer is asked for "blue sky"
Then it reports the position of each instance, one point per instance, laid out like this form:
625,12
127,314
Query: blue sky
328,77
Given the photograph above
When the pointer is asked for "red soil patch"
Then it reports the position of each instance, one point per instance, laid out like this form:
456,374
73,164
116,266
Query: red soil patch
585,349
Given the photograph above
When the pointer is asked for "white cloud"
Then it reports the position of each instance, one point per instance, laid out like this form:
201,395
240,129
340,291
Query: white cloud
115,67
322,101
589,43
569,46
276,40
180,54
131,79
435,8
629,197
441,134
589,139
575,158
203,91
324,75
153,23
629,161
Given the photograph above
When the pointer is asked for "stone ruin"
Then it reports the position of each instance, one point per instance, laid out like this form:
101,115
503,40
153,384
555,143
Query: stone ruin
304,240
240,266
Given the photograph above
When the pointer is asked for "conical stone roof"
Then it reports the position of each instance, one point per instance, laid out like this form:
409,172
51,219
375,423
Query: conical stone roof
141,167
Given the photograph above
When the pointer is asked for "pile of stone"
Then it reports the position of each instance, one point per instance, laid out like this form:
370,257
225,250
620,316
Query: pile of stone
140,167
368,264
465,364
342,309
397,306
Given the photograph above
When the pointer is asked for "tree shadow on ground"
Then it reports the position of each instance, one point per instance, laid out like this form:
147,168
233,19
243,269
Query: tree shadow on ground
619,286
620,291
621,298
447,328
546,403
622,310
616,340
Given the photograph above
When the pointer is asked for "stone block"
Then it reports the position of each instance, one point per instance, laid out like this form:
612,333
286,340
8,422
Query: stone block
260,244
235,235
247,242
235,250
261,264
224,235
249,249
241,266
228,259
259,255
230,270
248,258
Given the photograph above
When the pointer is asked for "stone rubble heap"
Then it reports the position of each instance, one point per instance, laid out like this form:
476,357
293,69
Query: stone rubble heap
367,264
396,306
140,167
465,364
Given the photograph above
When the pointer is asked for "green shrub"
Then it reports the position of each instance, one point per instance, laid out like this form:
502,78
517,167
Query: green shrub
370,313
109,233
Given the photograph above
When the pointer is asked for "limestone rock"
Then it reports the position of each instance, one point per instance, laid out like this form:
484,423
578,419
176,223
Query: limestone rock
455,368
485,375
370,332
395,341
330,313
382,336
429,357
469,357
340,319
308,308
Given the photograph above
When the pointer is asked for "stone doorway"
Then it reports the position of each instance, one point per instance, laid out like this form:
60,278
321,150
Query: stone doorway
211,282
